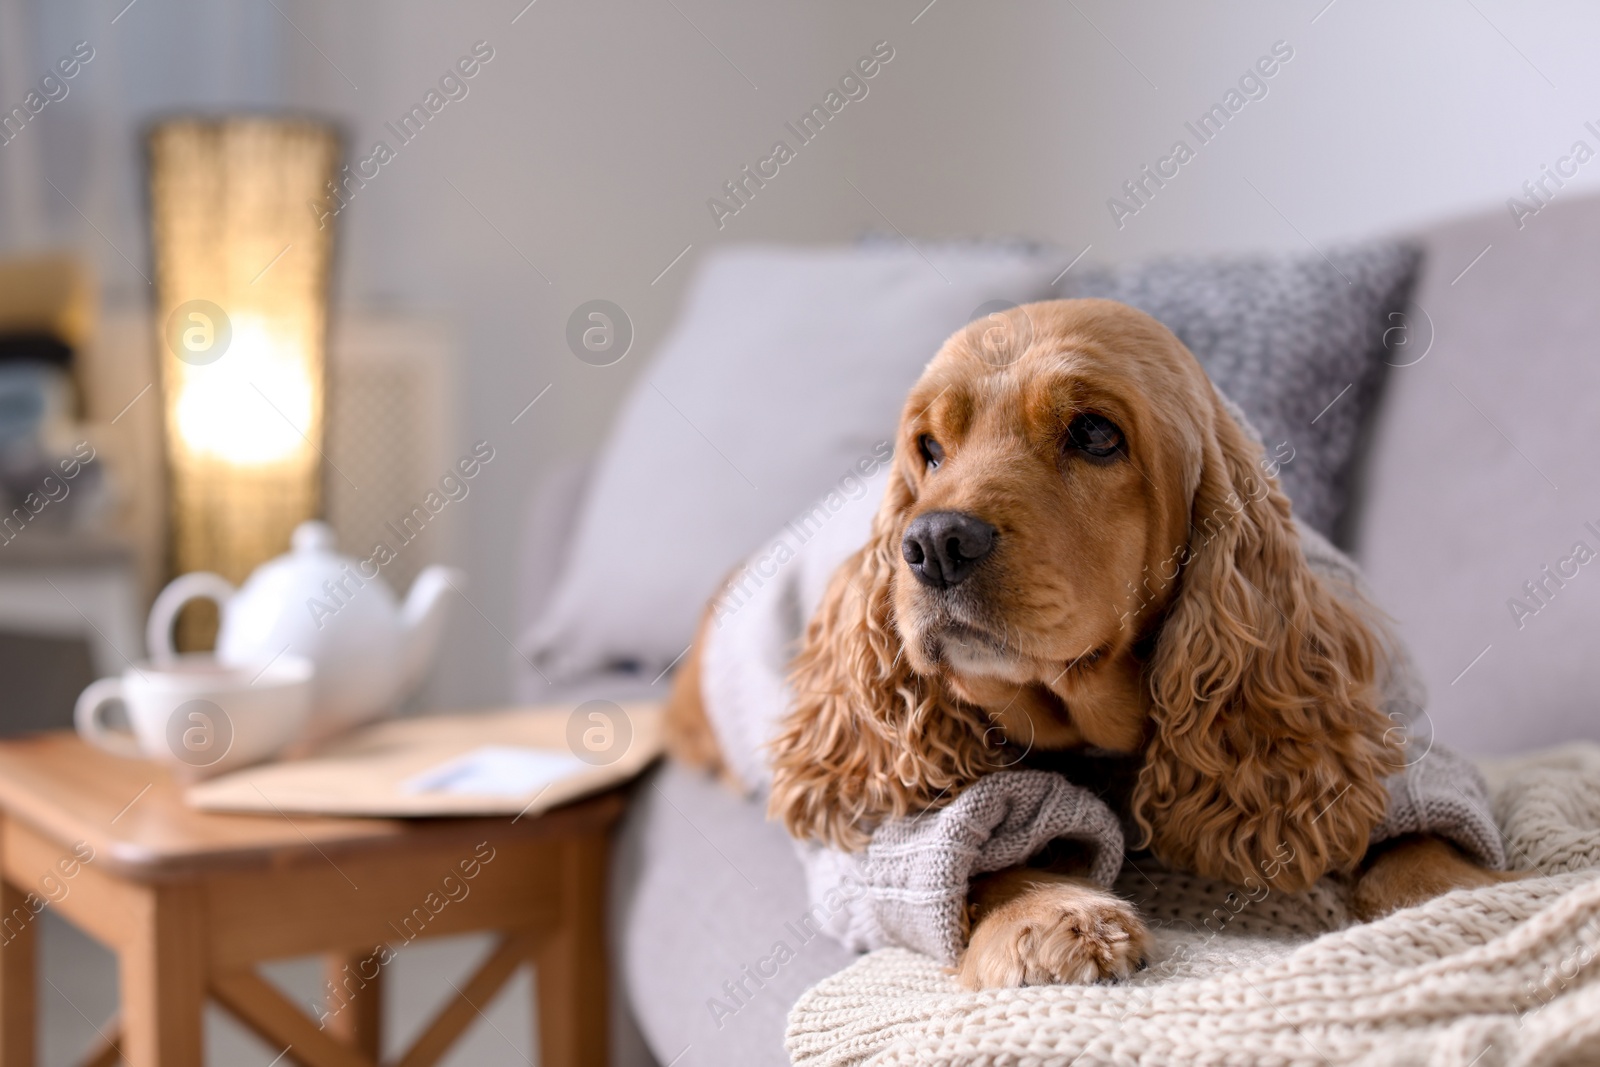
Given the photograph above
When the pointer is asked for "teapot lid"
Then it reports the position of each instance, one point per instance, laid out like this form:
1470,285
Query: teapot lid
313,536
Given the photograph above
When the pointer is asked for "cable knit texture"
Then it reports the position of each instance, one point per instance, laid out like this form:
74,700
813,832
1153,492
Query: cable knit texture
1555,817
1441,792
1492,977
910,884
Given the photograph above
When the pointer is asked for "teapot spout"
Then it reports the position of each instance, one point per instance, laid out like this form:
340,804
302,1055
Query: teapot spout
422,618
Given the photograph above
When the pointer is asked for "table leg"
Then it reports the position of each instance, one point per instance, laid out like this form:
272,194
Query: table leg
570,964
162,969
354,1001
18,974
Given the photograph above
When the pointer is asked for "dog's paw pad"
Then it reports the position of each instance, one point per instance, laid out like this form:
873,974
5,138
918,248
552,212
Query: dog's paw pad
1056,933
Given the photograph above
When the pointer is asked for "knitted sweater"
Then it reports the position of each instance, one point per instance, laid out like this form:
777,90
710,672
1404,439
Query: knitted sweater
908,887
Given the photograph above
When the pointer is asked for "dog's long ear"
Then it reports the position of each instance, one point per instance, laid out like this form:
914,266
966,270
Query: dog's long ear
1268,753
868,738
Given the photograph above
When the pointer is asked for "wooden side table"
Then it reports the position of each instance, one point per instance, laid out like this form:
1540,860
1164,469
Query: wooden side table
191,902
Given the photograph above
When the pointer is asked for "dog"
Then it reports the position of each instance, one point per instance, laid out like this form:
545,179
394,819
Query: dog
1082,551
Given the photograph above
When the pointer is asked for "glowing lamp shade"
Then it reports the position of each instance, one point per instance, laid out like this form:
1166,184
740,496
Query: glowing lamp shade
241,277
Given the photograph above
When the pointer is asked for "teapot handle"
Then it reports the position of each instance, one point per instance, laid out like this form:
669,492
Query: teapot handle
181,590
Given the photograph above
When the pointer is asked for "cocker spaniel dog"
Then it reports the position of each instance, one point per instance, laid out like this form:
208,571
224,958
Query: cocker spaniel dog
1080,550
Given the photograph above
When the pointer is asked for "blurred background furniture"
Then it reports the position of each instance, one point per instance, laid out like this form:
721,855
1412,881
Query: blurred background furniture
193,902
1477,473
82,587
72,572
391,431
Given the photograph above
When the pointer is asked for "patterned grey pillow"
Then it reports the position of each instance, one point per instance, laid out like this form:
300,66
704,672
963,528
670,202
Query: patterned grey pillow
1298,341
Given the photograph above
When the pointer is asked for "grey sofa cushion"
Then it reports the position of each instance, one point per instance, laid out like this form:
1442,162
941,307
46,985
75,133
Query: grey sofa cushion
1484,473
711,924
785,373
1299,341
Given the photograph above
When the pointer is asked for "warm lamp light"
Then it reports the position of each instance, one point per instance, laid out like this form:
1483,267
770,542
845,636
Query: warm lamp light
220,416
241,303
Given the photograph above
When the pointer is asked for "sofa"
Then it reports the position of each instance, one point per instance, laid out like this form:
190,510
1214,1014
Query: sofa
1472,500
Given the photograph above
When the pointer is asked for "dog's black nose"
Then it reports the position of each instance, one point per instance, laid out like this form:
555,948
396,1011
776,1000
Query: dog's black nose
945,547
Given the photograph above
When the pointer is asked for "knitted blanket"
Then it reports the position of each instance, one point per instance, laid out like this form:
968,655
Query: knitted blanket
1502,975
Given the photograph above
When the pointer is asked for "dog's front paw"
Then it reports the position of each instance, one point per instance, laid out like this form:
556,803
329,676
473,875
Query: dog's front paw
1055,932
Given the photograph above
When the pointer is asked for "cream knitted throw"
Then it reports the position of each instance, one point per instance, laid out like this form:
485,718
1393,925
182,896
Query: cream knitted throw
1504,975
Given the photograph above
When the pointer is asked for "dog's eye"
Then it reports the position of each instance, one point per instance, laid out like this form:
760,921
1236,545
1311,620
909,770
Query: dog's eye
932,452
1094,435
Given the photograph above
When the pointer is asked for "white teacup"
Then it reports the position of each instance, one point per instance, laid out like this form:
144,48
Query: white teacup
199,716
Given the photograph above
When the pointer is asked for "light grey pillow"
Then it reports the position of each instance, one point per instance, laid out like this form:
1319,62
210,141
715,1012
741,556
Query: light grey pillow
1298,341
1484,484
782,381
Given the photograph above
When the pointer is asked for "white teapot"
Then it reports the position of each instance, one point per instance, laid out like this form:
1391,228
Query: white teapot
368,651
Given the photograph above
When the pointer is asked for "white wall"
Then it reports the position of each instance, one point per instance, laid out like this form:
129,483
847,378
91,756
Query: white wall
594,137
1026,119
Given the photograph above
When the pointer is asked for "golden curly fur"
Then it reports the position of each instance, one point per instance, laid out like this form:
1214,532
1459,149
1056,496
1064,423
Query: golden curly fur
1152,599
1158,601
